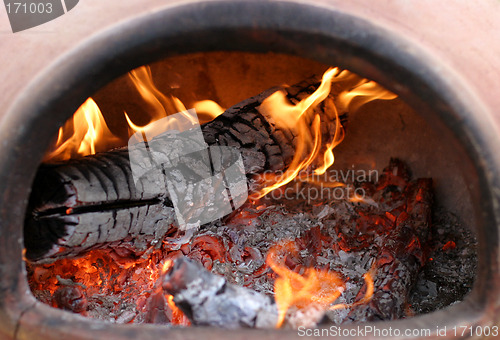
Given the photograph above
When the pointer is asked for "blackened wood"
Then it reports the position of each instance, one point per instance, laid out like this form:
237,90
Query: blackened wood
93,202
209,300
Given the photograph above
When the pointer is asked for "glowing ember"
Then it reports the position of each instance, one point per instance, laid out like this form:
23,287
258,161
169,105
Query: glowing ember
178,317
106,283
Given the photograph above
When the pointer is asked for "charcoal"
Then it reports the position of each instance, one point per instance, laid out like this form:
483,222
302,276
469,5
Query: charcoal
209,300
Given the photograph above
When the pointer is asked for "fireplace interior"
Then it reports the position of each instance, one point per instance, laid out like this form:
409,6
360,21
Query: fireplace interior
434,148
386,141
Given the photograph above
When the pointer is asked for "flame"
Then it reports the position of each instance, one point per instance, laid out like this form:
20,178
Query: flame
294,117
161,105
166,266
370,288
310,150
165,105
87,132
84,134
207,110
315,287
178,317
364,92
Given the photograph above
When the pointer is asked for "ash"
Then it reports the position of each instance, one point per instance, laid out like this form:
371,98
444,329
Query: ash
449,276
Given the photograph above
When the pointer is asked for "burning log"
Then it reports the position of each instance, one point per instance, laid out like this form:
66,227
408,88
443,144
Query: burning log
93,202
209,300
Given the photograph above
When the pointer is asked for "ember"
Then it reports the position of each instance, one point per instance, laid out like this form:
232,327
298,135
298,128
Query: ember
315,263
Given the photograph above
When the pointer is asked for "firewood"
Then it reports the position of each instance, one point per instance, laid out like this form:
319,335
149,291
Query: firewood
209,300
93,202
71,298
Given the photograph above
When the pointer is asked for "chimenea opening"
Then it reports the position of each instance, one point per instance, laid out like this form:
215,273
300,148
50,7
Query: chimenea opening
339,221
433,129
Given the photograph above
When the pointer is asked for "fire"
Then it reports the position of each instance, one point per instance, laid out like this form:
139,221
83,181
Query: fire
134,281
160,104
87,132
84,134
315,287
311,151
178,317
207,110
164,105
363,92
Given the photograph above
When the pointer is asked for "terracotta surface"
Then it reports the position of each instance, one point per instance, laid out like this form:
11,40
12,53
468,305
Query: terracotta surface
463,37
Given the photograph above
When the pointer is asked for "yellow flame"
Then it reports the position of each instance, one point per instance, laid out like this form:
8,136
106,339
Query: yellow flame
294,117
165,105
88,134
370,289
309,150
364,92
166,266
161,104
207,110
315,287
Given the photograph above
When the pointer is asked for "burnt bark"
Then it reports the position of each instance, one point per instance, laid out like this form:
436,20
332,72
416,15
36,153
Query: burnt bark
94,202
209,300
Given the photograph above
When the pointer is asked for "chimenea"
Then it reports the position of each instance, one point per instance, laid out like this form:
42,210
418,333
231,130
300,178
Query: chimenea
434,108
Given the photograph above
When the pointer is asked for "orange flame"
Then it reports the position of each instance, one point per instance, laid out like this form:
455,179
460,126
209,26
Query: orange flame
178,317
294,117
363,92
164,105
207,110
370,288
309,145
88,134
315,287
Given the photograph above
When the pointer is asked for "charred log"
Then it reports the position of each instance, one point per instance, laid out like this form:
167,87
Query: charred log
94,202
209,300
